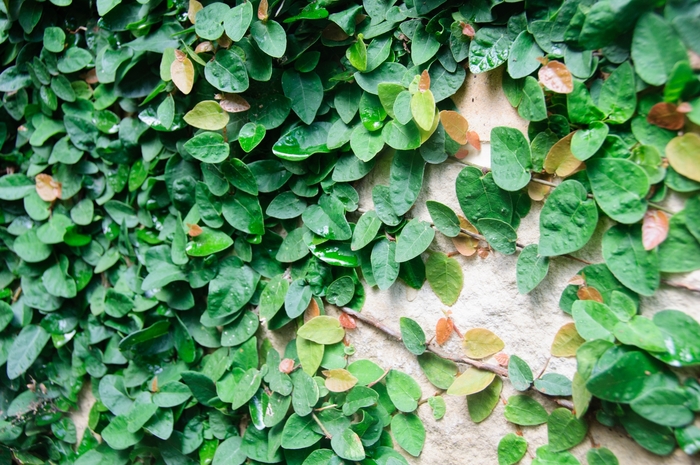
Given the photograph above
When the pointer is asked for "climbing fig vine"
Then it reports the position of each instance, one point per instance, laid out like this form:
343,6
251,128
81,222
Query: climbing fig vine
179,182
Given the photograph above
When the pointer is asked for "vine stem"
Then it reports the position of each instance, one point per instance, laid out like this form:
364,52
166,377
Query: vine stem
320,425
430,347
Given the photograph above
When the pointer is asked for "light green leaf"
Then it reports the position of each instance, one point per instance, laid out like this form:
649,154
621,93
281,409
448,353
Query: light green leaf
510,158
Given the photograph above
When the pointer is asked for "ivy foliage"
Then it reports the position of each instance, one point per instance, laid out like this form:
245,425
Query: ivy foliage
180,173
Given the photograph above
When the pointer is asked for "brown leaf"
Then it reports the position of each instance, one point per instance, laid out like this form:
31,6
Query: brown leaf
195,6
234,103
466,245
556,77
90,76
482,252
286,365
262,10
456,126
560,160
47,187
195,230
182,73
424,82
566,341
481,343
311,311
467,29
334,33
205,46
443,330
654,228
589,293
665,115
502,359
577,280
346,321
224,41
154,384
473,139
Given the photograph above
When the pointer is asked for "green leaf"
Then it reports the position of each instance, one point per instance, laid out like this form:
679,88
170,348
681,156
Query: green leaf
55,39
580,105
412,335
357,54
437,404
665,406
445,277
305,92
415,238
601,456
209,21
444,217
655,49
594,320
243,212
322,330
385,268
15,186
620,374
423,109
619,187
286,206
208,147
510,158
272,297
488,49
482,403
237,20
208,115
209,242
74,59
171,394
406,180
365,371
250,135
409,432
586,142
531,268
680,333
688,439
327,219
511,449
270,37
227,72
640,332
298,433
26,349
523,56
655,438
439,371
366,230
545,456
679,252
232,288
401,136
532,106
229,451
242,177
403,391
564,430
519,373
624,253
300,142
480,197
618,98
348,446
567,221
525,411
297,299
424,46
117,436
500,235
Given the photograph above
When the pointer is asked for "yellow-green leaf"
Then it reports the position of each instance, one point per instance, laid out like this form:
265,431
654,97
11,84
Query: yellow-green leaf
207,115
683,154
423,109
339,380
471,381
566,341
481,343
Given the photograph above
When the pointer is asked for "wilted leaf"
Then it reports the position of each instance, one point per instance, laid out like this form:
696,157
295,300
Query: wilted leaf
286,365
312,311
654,228
47,187
556,77
346,321
182,72
566,341
466,245
560,160
262,10
339,380
666,115
538,191
589,293
194,7
443,330
234,103
456,126
683,154
577,280
481,343
204,47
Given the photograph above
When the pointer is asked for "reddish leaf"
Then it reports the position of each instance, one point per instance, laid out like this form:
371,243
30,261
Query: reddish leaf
665,115
424,82
482,252
443,330
195,230
502,359
589,293
90,76
311,311
556,77
473,139
467,29
262,10
461,153
286,365
455,125
684,108
654,228
346,321
47,187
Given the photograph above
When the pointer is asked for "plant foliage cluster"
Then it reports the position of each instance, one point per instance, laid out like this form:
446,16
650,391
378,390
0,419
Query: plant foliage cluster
179,173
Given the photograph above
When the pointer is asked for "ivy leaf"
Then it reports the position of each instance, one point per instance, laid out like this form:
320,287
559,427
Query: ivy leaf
322,330
409,432
594,320
385,268
525,411
586,142
406,180
618,98
682,153
25,350
305,92
208,147
412,335
488,49
564,430
482,403
207,115
531,268
560,159
470,382
655,49
601,456
227,72
237,20
519,373
415,238
619,187
680,332
339,380
423,109
182,73
523,56
511,449
510,158
444,217
500,235
481,343
566,341
635,267
445,277
424,45
366,230
567,221
270,37
556,77
250,135
348,446
403,391
641,332
480,197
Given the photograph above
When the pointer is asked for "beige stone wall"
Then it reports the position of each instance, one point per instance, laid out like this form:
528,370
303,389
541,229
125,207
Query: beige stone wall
490,299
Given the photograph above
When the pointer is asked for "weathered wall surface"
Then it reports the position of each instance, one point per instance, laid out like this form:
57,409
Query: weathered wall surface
490,299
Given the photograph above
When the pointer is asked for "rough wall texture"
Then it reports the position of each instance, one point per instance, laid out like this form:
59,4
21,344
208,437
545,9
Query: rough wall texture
490,299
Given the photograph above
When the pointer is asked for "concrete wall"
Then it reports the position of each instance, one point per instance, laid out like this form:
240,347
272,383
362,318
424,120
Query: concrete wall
490,299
